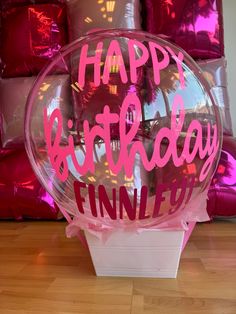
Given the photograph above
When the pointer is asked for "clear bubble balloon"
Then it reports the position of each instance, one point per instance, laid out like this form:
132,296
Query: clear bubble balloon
133,140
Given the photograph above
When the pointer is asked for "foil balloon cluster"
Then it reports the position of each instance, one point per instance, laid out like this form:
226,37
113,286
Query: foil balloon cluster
37,29
32,32
141,153
22,196
197,27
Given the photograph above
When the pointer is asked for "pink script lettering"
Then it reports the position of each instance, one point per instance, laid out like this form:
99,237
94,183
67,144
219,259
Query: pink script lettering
159,56
129,146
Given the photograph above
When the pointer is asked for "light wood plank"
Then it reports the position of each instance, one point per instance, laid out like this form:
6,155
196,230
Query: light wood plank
41,271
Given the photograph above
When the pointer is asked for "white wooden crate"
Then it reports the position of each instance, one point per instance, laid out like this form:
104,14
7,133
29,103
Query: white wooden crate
151,253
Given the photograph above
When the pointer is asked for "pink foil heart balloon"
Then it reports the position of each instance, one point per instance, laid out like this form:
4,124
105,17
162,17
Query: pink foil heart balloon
222,193
194,25
21,194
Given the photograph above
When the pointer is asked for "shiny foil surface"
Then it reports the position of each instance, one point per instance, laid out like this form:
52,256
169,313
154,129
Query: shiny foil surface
222,193
7,4
194,25
85,16
21,194
31,35
13,97
215,72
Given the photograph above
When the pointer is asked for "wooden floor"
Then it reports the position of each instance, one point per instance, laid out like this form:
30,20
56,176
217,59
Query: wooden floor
43,272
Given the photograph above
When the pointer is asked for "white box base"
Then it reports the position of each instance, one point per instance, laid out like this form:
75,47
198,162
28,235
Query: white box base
151,253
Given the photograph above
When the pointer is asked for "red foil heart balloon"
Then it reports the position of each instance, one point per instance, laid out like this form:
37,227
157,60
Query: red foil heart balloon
26,49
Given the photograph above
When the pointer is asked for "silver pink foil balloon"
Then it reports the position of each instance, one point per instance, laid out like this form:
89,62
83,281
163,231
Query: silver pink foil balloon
13,97
222,193
21,194
89,15
215,72
30,36
126,162
194,25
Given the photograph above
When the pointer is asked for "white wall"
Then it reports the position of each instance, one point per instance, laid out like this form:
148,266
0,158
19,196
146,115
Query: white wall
229,10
